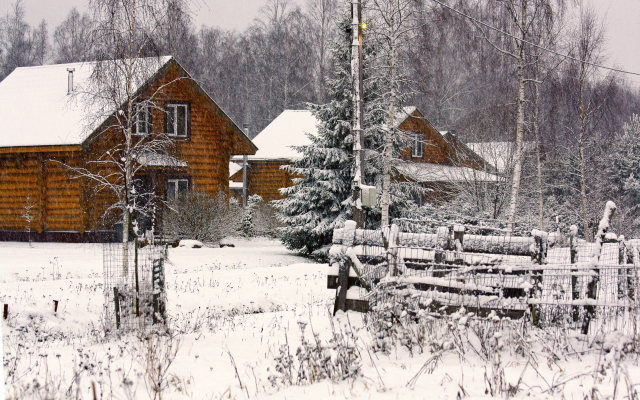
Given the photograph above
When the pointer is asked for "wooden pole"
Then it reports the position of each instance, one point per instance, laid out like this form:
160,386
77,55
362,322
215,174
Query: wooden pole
592,286
358,114
116,301
573,251
135,255
5,312
344,268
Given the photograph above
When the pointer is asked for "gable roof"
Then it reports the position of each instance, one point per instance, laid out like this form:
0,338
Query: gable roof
499,154
288,129
36,109
405,113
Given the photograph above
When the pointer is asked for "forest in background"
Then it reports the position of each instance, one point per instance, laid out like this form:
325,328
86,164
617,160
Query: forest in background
450,68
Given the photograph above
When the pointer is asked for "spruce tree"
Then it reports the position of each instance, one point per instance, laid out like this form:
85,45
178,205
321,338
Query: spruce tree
321,198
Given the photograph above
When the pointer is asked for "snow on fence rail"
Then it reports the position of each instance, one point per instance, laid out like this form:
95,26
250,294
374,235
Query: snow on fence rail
585,286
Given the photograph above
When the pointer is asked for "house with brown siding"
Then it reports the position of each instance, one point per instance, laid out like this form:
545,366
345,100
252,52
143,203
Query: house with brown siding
434,158
46,135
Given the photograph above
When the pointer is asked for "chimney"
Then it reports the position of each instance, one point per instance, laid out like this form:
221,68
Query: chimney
70,82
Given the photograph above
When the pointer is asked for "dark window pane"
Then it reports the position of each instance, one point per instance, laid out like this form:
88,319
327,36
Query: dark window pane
171,116
142,120
182,120
171,190
183,185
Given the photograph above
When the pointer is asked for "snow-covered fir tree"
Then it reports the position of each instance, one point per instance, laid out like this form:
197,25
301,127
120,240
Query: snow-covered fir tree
321,198
621,178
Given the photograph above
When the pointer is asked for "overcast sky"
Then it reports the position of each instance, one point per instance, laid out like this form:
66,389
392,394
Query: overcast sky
623,21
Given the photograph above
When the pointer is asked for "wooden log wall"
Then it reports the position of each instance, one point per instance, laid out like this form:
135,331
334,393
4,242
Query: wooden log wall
266,178
35,180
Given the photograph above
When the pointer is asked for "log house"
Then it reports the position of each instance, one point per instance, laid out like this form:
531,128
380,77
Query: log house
43,133
430,151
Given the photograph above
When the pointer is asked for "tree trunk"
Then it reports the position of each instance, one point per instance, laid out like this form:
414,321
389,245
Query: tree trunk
388,145
517,168
536,130
581,145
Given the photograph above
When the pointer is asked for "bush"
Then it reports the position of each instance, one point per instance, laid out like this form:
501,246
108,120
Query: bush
196,215
259,218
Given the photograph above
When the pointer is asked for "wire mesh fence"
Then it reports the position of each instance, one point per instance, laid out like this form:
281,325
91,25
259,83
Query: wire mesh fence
550,278
134,289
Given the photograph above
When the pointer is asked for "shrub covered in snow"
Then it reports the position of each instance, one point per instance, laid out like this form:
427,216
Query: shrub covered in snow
198,216
259,219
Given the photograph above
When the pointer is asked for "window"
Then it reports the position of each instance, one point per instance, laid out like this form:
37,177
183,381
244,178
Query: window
416,145
178,119
175,187
142,120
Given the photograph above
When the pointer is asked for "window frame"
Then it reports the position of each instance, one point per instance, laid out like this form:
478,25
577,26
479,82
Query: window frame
172,104
417,147
177,191
148,112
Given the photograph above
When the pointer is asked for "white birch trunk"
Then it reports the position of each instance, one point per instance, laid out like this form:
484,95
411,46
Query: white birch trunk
581,148
390,131
517,169
536,129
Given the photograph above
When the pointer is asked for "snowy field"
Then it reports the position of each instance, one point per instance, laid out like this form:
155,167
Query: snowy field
236,316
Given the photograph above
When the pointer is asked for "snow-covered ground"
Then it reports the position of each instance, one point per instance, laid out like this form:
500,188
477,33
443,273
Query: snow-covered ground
236,314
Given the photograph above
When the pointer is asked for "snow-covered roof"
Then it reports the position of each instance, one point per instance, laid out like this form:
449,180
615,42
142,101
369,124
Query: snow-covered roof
432,172
499,154
402,114
36,109
289,129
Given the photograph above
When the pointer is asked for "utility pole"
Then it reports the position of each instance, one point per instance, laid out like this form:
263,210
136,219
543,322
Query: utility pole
244,170
358,112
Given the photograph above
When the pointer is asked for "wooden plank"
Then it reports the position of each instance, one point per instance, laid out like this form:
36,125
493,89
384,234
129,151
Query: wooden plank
41,149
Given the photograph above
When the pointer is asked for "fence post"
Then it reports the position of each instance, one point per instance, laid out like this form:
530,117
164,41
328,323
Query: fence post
573,253
135,260
116,301
343,272
592,286
392,251
542,246
442,242
458,243
157,279
623,287
5,311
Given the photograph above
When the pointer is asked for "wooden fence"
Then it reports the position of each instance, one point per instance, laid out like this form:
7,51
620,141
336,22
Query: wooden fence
510,276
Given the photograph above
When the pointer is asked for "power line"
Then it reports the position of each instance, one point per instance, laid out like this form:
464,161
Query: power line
533,44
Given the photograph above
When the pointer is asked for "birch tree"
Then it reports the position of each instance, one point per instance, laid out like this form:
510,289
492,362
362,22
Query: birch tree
123,34
589,40
394,19
520,17
545,35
